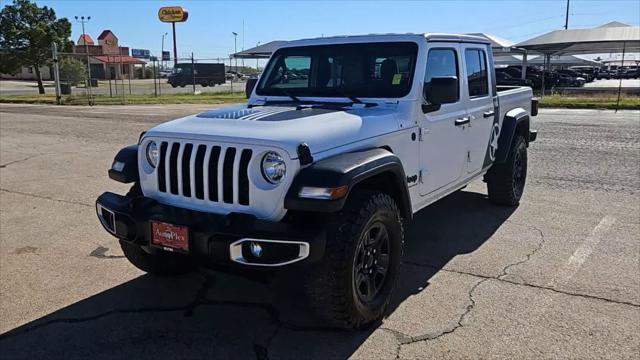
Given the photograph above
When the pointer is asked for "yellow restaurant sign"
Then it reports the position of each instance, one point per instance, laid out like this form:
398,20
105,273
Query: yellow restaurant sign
173,14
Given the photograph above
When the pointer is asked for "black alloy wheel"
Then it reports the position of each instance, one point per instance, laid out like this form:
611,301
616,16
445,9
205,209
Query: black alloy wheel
371,262
519,174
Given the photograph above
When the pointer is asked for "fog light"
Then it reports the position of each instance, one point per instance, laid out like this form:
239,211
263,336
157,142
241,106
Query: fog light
256,249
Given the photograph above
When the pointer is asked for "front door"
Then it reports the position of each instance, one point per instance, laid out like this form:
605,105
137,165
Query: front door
442,147
482,134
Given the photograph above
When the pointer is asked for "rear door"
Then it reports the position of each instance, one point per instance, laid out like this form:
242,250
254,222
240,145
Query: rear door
442,146
481,137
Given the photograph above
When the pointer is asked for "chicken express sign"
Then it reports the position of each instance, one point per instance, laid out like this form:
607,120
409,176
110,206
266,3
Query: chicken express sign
173,14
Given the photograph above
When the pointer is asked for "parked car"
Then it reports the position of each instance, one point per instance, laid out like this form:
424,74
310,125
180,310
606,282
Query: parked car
577,74
630,73
205,74
503,78
550,79
604,74
568,78
565,80
516,72
590,73
320,176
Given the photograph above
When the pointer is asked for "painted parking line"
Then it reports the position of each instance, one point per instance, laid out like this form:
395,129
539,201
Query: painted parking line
543,300
581,254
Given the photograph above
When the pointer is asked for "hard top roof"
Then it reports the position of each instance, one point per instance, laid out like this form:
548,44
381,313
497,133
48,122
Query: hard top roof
344,39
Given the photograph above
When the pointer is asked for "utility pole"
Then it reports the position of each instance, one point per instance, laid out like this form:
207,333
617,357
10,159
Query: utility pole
82,21
235,49
566,18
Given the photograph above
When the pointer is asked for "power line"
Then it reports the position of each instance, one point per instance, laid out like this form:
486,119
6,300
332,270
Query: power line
524,23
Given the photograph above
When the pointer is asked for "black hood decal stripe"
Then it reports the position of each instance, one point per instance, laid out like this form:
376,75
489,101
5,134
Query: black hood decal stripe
262,114
267,113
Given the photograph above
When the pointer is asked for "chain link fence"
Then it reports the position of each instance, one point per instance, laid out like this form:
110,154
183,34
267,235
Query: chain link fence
116,78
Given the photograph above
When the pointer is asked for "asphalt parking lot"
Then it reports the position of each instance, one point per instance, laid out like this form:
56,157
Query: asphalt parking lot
557,277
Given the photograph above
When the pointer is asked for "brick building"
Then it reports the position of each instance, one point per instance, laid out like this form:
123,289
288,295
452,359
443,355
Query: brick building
107,58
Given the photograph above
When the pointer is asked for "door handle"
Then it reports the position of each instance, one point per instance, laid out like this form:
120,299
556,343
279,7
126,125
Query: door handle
489,113
462,121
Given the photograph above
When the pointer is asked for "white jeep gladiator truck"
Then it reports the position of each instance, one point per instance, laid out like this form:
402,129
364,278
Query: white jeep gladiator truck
342,140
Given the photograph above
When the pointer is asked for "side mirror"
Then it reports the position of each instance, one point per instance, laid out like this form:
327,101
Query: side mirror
440,90
248,88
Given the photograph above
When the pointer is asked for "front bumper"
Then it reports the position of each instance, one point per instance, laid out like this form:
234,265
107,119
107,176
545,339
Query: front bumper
214,239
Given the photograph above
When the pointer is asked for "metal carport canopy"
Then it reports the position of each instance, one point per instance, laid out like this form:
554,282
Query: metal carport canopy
263,51
585,41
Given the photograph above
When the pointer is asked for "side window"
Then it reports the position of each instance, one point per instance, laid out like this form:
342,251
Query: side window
441,63
476,65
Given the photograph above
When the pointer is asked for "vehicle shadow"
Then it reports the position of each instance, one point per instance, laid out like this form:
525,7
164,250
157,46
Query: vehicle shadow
224,316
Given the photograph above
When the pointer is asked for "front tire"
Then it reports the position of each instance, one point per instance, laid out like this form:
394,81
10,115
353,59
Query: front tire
352,286
505,182
155,261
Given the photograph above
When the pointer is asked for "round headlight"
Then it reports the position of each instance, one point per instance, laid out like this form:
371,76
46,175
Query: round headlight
273,167
153,154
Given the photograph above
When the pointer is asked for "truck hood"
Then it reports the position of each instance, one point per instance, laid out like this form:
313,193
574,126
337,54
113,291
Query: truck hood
285,127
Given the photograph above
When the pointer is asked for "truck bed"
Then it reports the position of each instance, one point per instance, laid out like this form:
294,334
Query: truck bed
512,97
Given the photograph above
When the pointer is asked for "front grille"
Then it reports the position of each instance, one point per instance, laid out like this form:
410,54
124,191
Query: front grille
206,172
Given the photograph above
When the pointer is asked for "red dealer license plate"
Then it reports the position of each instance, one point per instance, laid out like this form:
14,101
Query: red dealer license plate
170,237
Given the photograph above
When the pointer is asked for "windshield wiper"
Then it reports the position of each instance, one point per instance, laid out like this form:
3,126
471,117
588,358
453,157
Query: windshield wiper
281,92
353,99
292,97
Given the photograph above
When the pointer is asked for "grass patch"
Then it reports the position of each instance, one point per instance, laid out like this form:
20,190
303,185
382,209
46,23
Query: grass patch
590,102
604,101
183,98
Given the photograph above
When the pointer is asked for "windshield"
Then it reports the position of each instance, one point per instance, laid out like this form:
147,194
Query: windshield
374,70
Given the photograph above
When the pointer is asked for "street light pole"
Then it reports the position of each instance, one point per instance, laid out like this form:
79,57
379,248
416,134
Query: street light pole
162,52
235,49
258,44
82,21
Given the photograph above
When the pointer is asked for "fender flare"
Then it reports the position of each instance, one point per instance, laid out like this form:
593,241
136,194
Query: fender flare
124,168
509,125
348,169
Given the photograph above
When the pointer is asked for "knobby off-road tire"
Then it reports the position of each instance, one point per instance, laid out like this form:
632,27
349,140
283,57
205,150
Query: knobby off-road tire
337,288
158,262
505,182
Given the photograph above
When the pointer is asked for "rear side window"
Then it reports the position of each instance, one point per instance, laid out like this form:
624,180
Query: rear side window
476,65
441,63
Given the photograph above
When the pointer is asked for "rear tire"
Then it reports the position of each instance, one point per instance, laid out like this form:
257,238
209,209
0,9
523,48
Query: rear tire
159,262
351,287
505,182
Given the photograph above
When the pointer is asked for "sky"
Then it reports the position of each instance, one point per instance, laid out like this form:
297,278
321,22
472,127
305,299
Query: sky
208,31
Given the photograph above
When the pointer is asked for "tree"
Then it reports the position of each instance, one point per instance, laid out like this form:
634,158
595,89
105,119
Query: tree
72,70
26,35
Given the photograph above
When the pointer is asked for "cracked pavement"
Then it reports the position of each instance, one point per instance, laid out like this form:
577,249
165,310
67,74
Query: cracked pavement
557,277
